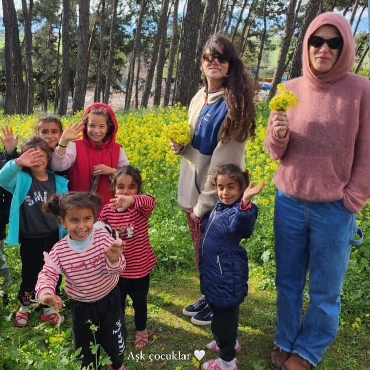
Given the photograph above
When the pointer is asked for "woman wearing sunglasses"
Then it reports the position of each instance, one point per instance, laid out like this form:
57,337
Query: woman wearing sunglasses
322,181
221,116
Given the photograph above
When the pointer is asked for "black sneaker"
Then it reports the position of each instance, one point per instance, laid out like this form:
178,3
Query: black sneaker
195,307
203,317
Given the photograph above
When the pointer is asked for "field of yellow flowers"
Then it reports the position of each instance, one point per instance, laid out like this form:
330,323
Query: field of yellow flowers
144,135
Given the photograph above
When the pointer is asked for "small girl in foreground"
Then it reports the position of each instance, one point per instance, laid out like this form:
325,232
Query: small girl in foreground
127,215
224,262
91,261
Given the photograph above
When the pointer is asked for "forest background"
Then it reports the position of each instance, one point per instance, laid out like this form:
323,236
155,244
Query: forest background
54,51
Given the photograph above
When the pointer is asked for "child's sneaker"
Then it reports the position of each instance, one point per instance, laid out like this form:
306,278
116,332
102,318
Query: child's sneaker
219,364
215,348
203,317
53,317
195,307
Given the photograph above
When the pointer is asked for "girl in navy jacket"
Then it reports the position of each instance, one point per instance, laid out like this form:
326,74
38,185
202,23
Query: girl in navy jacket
224,262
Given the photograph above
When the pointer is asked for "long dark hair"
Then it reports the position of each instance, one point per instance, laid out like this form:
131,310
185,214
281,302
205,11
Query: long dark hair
240,90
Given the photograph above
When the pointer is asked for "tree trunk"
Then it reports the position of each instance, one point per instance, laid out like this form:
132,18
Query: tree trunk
263,36
191,25
245,31
284,47
354,11
57,69
162,29
364,7
108,80
206,30
29,82
134,54
172,55
99,78
160,67
363,56
231,17
82,63
311,13
239,21
14,94
64,86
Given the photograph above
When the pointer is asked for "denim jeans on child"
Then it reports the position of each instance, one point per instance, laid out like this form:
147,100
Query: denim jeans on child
313,242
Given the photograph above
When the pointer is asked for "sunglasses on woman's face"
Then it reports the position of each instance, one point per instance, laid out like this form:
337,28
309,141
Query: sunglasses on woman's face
210,57
318,41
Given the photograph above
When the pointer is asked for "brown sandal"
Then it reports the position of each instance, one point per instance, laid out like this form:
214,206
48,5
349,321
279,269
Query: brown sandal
141,340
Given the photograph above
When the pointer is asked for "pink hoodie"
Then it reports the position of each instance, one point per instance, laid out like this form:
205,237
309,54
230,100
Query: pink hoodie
326,154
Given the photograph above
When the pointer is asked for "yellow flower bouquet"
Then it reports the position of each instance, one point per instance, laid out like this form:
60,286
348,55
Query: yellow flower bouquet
283,100
178,133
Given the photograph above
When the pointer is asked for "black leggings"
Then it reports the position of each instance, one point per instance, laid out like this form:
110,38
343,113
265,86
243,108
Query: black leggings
137,289
224,328
32,258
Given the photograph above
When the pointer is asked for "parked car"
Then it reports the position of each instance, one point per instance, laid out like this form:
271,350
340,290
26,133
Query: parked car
265,85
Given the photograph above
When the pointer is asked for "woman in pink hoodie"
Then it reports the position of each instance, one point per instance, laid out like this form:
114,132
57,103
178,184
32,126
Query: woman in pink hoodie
322,181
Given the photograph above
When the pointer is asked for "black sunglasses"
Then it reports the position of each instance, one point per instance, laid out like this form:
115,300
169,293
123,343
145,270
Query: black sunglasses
318,41
210,57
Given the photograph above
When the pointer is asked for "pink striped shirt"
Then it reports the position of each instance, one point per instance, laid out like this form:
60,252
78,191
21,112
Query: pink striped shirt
89,274
132,228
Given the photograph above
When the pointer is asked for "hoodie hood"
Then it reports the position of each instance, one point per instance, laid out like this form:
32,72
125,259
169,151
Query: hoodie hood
110,139
347,55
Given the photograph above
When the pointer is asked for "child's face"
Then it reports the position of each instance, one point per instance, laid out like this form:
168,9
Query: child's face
79,223
125,185
228,189
43,163
51,133
96,127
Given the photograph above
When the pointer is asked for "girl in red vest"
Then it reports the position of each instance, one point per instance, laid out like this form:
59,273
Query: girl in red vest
95,158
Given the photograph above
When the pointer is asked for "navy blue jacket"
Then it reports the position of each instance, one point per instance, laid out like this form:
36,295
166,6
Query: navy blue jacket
223,261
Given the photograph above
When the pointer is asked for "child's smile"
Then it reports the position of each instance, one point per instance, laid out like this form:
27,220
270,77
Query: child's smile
79,223
97,128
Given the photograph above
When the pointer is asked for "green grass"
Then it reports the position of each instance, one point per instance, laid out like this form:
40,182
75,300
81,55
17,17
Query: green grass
173,339
174,281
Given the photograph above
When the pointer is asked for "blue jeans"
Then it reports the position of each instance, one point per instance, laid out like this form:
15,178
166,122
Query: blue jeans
314,239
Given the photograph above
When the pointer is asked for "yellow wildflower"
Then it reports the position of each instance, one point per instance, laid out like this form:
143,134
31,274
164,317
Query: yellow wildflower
178,132
283,100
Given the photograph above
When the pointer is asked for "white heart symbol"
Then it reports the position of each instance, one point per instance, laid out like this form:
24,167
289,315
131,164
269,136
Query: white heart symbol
199,354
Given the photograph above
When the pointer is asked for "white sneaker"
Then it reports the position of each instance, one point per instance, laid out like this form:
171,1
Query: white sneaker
212,346
219,364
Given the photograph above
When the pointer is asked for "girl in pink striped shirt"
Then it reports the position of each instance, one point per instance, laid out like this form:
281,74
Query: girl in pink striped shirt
91,261
127,214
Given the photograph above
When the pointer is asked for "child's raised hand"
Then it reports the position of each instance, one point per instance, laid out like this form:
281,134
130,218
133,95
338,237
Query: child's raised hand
122,202
8,139
30,158
251,191
114,251
52,300
71,132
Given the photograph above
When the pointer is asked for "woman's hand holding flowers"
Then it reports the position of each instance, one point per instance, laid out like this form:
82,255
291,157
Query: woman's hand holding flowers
282,101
